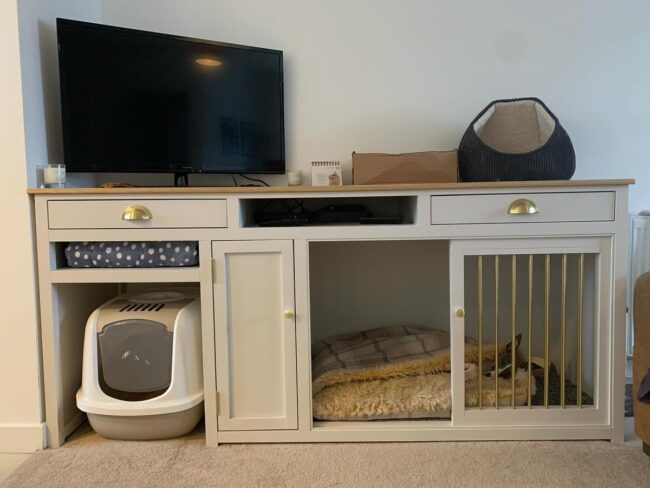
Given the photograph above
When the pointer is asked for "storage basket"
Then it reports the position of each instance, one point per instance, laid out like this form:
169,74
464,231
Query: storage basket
516,139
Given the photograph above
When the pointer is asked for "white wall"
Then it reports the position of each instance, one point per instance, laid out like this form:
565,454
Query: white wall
383,75
20,404
29,136
40,78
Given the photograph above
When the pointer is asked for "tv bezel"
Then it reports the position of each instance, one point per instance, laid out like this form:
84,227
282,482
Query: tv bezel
181,171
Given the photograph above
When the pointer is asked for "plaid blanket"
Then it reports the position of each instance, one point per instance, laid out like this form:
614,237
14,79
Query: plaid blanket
380,353
401,372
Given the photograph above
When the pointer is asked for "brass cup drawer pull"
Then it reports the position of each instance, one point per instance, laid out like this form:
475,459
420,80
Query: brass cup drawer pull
136,212
522,206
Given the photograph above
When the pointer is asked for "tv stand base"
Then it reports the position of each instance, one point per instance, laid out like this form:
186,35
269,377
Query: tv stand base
180,179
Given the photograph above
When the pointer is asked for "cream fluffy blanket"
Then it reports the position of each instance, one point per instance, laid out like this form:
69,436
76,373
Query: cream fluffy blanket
399,372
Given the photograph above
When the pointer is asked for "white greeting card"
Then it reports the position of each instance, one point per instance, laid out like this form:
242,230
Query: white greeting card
326,173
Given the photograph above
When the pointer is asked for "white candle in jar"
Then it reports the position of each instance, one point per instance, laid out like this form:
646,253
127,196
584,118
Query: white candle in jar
294,177
54,175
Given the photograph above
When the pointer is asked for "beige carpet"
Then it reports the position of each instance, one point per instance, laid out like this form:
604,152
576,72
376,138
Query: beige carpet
89,460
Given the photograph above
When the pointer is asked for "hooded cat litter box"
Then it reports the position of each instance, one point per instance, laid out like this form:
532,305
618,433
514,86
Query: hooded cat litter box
142,373
518,139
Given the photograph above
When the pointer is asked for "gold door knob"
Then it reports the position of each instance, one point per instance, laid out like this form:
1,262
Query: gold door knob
136,212
288,313
460,312
522,206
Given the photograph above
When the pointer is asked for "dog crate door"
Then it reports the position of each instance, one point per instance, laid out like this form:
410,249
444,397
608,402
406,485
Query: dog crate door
531,331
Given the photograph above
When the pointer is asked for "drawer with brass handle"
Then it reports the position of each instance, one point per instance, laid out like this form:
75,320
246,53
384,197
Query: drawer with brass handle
503,208
522,206
137,214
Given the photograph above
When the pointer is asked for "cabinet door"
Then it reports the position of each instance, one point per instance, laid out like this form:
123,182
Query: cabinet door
551,299
255,335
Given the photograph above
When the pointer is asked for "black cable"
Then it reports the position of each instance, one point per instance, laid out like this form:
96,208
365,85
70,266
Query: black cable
254,179
234,179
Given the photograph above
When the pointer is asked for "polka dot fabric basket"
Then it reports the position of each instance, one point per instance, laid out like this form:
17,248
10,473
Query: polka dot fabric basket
150,254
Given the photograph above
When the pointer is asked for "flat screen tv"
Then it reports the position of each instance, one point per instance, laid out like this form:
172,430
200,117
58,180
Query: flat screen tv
141,102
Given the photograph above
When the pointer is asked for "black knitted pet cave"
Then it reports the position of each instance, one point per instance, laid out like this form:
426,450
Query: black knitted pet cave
518,139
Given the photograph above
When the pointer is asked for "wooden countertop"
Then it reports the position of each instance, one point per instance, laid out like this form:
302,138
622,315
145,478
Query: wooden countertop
324,189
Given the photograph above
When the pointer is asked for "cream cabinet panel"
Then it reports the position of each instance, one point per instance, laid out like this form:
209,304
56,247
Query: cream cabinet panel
255,335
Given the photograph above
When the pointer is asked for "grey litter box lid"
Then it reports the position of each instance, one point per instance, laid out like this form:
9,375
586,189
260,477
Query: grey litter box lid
515,139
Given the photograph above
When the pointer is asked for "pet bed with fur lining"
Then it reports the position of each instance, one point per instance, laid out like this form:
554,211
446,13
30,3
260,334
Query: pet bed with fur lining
399,372
412,397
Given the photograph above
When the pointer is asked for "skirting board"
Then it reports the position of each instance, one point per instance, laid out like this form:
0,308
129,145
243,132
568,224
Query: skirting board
16,438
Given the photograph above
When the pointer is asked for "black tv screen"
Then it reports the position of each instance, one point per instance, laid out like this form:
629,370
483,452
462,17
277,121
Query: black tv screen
135,101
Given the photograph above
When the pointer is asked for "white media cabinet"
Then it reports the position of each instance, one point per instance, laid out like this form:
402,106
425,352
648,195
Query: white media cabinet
268,292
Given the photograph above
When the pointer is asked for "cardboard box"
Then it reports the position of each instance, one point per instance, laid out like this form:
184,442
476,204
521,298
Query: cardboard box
419,167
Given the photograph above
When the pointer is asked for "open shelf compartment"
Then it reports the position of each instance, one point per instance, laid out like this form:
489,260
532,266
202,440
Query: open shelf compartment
74,302
384,300
131,271
318,211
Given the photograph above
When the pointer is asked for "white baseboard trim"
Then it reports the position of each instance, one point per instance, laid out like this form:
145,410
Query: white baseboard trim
22,437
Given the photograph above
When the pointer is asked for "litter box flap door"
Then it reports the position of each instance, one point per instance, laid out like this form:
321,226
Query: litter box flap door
135,359
538,311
